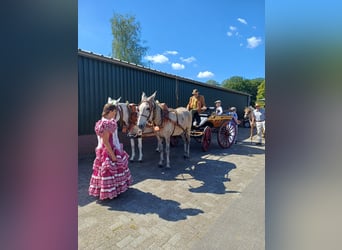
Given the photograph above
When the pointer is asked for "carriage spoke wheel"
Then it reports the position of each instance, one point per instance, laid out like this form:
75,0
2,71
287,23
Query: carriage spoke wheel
206,138
226,134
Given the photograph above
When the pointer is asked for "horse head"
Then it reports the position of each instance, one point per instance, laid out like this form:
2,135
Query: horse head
115,103
145,109
247,111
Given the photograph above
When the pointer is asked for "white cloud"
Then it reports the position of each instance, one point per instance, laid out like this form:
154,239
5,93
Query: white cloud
157,58
232,28
177,66
169,52
253,42
229,33
205,74
188,60
241,20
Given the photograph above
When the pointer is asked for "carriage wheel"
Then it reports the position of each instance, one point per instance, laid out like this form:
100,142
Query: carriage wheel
174,141
206,138
226,134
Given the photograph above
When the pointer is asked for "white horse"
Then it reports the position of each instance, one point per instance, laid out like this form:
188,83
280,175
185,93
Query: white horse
167,122
127,117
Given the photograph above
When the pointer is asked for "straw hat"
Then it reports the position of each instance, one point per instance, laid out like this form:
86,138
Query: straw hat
195,91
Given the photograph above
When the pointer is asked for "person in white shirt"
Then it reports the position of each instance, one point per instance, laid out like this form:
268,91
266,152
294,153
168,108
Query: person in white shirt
260,122
236,119
219,109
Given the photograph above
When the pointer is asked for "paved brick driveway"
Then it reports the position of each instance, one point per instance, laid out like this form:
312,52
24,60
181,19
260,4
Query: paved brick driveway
181,207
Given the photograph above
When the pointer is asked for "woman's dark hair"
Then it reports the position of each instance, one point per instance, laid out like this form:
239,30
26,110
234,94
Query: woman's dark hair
107,108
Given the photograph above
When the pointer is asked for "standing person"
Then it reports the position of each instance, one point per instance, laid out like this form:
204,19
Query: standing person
111,175
218,109
260,122
196,105
236,120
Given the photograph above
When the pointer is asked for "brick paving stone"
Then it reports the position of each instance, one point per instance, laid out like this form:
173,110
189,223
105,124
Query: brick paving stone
171,208
124,242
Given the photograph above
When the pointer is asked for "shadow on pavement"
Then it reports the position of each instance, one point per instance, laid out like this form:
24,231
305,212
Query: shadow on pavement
137,201
210,175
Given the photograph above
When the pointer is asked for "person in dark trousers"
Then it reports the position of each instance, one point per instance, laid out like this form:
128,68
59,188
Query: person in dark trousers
196,105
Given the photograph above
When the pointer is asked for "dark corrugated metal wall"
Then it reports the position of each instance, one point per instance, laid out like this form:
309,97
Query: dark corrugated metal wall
100,77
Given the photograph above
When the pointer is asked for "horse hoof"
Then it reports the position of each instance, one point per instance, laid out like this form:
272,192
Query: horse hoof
131,161
140,161
160,166
168,167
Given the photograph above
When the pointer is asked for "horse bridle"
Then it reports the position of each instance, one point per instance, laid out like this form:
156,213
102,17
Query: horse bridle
121,120
151,106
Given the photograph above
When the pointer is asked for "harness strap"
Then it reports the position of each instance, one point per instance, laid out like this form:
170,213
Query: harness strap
121,122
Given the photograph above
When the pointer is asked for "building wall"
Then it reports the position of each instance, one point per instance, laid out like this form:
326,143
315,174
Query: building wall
101,77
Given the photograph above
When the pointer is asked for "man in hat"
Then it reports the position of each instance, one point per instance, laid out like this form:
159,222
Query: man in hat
259,122
196,105
218,109
232,112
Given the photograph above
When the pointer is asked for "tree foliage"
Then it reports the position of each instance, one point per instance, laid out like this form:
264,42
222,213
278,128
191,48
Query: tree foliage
261,91
126,44
249,86
213,82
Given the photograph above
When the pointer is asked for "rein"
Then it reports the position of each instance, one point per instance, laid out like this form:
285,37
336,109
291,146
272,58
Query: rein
151,107
152,116
126,127
121,121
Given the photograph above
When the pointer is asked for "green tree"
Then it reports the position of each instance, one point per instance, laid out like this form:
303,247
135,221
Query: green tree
213,82
261,91
243,85
235,82
126,44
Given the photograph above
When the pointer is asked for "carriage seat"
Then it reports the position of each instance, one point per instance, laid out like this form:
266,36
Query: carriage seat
203,120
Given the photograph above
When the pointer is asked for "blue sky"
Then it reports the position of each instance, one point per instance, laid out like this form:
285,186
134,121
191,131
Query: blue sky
196,39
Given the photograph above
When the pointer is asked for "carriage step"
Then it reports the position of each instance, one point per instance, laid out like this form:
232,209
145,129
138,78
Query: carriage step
196,133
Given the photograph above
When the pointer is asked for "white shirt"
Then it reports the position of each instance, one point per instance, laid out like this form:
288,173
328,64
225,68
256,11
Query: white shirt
259,115
219,110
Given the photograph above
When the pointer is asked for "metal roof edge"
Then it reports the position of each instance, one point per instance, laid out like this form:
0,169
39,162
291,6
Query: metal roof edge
140,67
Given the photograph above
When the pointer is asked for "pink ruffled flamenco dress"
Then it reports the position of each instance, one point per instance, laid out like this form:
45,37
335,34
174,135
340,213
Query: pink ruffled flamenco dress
109,179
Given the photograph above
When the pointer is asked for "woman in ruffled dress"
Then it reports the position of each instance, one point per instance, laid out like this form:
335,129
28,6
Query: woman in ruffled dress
111,175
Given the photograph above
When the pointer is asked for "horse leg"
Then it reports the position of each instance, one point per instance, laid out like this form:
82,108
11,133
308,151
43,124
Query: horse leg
161,150
159,144
167,150
140,148
186,145
132,150
188,138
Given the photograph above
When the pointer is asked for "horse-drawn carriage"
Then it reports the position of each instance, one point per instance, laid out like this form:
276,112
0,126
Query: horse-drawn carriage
223,125
157,119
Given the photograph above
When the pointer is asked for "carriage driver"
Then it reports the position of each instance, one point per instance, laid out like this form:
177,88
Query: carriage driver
196,105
